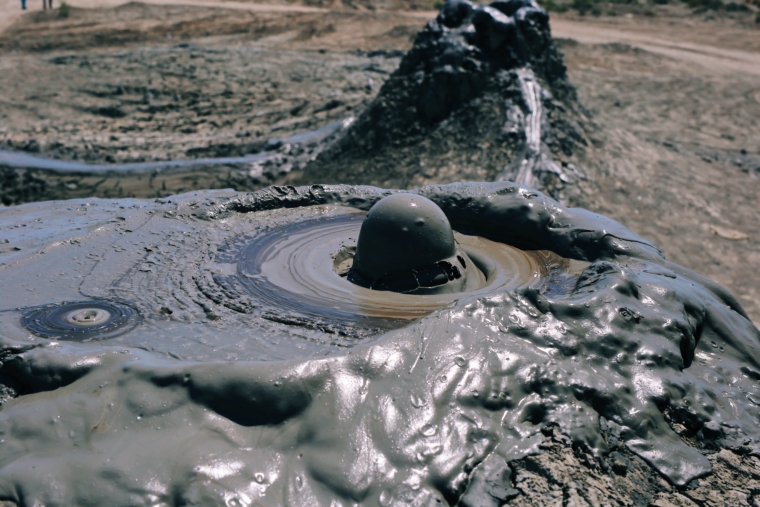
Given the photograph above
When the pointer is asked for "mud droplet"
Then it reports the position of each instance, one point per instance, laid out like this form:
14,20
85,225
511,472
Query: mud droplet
385,498
460,361
417,402
428,430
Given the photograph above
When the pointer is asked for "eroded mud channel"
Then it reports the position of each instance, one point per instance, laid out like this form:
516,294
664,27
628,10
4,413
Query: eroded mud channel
220,395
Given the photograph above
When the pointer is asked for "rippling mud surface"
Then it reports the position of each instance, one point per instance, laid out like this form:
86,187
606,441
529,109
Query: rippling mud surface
216,399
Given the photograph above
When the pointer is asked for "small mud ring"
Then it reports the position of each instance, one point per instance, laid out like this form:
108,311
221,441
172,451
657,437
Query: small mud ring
81,321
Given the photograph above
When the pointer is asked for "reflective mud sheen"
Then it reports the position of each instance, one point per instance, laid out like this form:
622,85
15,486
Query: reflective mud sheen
300,269
223,397
81,321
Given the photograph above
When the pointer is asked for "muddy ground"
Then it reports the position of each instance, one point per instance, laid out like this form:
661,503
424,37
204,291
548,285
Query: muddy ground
676,154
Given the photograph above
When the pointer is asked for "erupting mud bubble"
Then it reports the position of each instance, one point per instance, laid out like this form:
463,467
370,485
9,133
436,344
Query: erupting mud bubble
305,268
406,244
224,396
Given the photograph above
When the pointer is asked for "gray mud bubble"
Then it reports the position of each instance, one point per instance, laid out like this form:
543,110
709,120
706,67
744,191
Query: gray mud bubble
407,245
482,95
632,366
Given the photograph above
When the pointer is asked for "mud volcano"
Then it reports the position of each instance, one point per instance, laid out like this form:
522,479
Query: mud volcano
482,95
236,381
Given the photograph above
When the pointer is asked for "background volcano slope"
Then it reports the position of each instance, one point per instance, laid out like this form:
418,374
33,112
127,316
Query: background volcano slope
482,95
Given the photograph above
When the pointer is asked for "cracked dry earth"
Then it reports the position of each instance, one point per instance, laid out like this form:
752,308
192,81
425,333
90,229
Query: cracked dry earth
562,476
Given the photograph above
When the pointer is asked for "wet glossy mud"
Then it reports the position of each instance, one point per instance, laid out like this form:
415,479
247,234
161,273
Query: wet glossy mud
297,272
211,402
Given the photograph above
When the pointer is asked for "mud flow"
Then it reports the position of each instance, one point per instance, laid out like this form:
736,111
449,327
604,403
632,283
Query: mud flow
218,348
256,372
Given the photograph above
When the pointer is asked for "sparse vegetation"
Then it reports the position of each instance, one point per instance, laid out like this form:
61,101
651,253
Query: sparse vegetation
64,10
583,6
717,5
736,7
552,6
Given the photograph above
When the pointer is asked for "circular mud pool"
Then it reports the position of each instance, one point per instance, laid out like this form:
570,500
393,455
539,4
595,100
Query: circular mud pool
259,375
81,321
301,269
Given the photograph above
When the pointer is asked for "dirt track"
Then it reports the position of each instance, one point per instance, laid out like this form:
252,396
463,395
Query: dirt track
693,44
713,59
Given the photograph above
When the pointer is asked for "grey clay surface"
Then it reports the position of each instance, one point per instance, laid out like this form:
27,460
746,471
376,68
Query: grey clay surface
212,402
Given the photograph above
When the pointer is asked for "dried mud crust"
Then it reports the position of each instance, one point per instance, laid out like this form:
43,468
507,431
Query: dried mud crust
172,103
136,23
182,101
563,475
678,160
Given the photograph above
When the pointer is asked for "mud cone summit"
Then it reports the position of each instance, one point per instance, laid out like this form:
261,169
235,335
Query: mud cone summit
482,95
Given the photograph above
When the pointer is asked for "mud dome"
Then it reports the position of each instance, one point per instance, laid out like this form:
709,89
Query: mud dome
200,404
482,95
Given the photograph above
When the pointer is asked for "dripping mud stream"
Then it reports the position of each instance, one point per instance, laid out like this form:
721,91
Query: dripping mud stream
310,139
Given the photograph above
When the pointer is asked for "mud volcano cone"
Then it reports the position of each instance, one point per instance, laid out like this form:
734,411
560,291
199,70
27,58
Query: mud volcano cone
482,95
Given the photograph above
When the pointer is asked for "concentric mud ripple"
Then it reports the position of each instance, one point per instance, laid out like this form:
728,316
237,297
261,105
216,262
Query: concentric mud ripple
82,320
298,270
221,397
